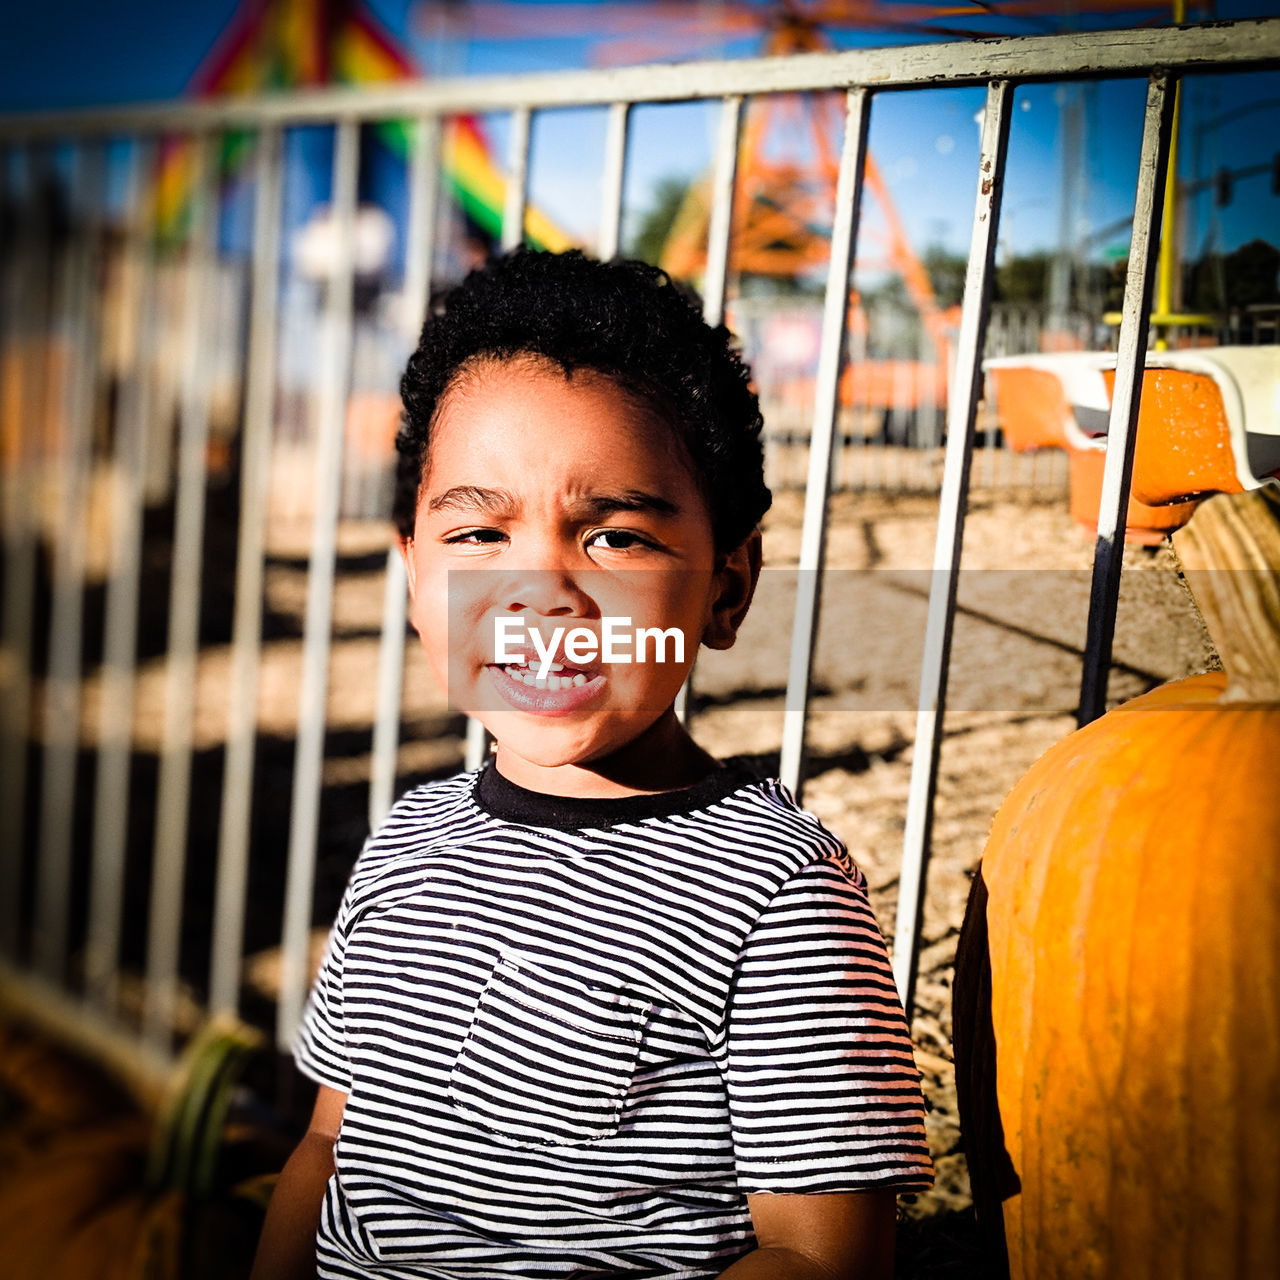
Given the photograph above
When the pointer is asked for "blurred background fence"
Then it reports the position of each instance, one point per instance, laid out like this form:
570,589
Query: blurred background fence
208,698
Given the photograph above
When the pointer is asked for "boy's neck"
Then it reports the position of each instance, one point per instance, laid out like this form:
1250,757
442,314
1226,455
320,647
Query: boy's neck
663,758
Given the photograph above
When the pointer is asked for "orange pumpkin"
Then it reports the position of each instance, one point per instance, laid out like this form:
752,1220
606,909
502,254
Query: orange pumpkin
1131,925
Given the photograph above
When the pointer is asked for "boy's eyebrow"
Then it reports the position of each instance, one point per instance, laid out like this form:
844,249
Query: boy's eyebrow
596,505
471,497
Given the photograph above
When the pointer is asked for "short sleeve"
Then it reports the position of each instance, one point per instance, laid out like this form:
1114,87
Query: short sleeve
824,1094
320,1047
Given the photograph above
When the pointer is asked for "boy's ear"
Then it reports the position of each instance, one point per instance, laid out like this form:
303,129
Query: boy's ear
410,569
736,580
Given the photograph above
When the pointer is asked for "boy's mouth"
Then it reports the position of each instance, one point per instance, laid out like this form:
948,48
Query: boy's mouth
558,675
526,669
562,691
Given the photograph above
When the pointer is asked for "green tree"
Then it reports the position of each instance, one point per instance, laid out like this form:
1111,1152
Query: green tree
1251,273
946,274
1023,279
657,220
1245,277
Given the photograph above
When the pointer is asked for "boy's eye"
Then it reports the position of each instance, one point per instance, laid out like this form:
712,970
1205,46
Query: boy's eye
616,540
475,537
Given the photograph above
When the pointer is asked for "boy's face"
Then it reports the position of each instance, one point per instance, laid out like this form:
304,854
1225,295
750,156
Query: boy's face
549,505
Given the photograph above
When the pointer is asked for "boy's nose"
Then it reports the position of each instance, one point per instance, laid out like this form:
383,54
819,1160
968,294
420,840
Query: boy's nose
549,592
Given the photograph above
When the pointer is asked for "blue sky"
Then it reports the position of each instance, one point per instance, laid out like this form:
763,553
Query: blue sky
76,53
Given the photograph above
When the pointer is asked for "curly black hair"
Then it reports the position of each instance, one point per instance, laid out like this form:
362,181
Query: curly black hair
624,319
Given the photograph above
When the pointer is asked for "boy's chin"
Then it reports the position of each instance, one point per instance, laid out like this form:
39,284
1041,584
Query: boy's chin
545,744
559,743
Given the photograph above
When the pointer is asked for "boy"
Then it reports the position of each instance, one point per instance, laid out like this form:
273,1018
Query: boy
605,1007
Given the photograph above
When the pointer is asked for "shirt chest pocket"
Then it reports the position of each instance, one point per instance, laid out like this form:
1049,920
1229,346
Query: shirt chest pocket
547,1062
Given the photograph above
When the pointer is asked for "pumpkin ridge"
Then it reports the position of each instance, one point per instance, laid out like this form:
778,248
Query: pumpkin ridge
1121,906
1211,1004
1064,895
1159,1104
1255,907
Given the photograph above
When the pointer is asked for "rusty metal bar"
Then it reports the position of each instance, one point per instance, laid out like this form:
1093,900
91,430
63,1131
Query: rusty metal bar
961,419
826,416
1122,428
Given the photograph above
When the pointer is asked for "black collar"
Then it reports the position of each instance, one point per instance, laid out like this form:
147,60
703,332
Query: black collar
508,802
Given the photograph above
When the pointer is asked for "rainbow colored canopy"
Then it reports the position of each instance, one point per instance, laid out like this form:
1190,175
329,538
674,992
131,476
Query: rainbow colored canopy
286,44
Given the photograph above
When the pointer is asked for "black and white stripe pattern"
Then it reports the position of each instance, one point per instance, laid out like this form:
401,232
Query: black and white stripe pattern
573,1035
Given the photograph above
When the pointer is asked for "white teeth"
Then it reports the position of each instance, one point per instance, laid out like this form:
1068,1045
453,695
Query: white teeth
526,676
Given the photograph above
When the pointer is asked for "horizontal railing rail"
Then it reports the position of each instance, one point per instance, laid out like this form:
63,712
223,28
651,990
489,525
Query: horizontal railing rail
1208,47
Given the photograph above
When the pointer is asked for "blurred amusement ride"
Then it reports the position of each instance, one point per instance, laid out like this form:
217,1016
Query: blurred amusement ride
903,308
1051,337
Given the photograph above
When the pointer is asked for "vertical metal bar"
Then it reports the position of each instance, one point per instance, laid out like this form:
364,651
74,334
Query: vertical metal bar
826,414
861,407
723,182
10,841
168,865
961,419
386,725
75,397
424,197
927,435
246,627
1122,428
335,367
477,742
719,233
24,306
424,189
34,462
615,164
119,659
898,428
517,181
476,748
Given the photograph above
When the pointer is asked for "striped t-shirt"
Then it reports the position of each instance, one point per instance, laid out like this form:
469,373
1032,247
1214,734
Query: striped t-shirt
574,1034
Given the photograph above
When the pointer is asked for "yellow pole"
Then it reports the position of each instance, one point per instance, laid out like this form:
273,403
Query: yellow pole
1164,316
1168,264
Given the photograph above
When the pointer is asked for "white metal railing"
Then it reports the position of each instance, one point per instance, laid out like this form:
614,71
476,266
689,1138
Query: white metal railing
48,473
